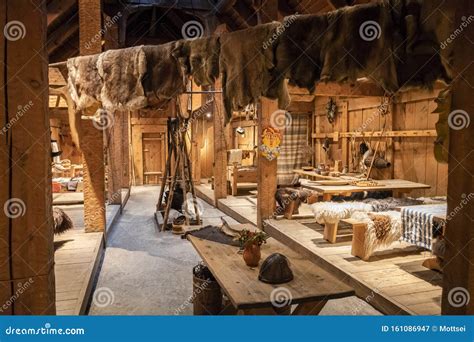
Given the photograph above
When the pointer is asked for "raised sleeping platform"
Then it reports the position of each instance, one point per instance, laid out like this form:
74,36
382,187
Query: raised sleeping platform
394,281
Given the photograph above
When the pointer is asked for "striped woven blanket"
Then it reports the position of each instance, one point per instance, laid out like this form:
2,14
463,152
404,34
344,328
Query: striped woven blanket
417,222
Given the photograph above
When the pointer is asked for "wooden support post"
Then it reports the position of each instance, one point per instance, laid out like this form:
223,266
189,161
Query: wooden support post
220,147
114,160
266,170
27,284
126,179
91,137
458,273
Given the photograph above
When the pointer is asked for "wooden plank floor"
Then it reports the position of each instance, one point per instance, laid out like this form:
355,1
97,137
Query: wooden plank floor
393,281
76,257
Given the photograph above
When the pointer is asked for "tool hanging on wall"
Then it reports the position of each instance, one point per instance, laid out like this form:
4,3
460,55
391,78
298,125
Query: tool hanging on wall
331,110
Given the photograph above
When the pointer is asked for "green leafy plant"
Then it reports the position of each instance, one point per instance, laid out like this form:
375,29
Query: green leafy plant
247,238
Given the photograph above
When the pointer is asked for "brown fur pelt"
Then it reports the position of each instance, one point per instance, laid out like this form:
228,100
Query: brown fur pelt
382,225
382,41
84,83
62,222
121,72
200,59
164,78
284,196
247,68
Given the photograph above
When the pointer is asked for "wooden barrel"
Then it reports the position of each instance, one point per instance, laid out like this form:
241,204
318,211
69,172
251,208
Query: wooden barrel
207,297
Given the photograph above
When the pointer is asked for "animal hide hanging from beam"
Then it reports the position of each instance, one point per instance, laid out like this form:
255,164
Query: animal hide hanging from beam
247,64
131,78
164,78
200,59
382,41
84,82
121,72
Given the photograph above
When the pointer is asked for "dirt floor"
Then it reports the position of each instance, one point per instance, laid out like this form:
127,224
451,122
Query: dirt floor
146,272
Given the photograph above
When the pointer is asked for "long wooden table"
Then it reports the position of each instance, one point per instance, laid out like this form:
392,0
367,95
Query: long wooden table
310,289
398,186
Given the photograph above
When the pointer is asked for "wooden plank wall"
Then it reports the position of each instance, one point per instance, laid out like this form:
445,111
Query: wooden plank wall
412,158
144,122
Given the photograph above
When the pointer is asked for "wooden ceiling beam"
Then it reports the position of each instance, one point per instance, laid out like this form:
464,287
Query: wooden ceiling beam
58,10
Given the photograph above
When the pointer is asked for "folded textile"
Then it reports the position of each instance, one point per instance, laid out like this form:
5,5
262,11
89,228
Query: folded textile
418,223
164,78
84,83
235,156
199,58
122,72
246,64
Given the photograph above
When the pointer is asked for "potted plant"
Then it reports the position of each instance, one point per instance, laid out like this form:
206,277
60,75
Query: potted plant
250,242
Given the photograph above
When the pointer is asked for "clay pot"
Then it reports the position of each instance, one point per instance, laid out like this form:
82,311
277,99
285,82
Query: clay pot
252,255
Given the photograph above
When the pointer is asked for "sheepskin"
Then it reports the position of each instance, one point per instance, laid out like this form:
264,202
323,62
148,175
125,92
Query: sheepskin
164,78
61,221
84,83
247,64
390,203
121,72
199,58
333,212
382,230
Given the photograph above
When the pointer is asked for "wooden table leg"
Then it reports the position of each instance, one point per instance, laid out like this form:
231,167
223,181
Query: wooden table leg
310,308
327,197
330,232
